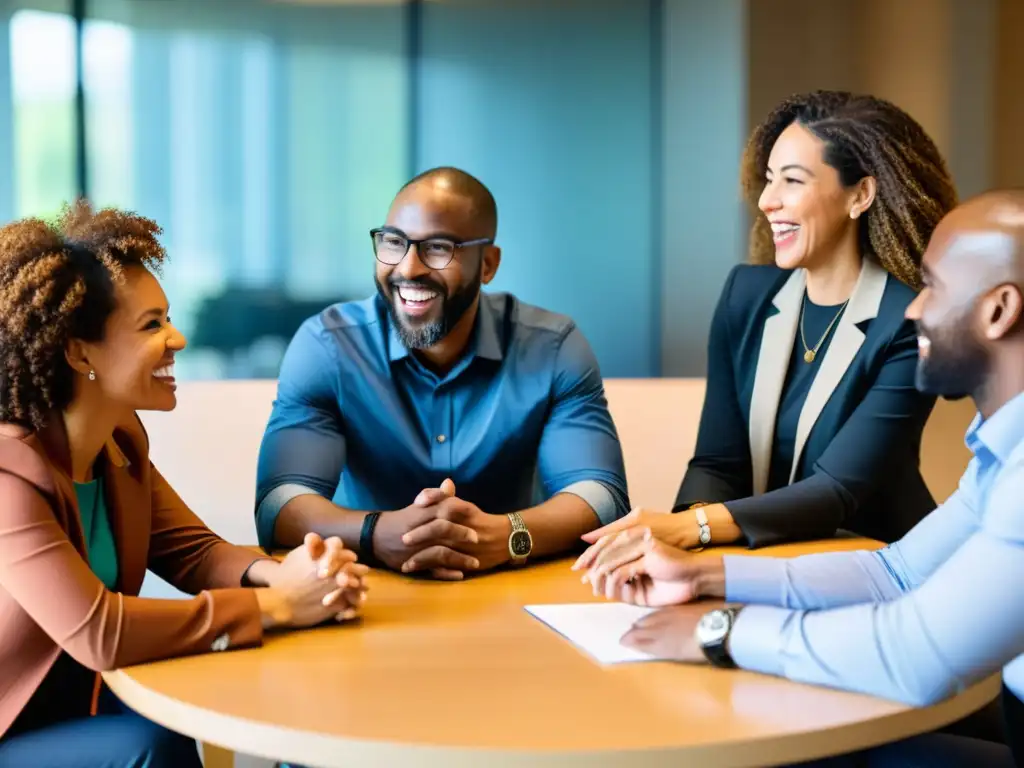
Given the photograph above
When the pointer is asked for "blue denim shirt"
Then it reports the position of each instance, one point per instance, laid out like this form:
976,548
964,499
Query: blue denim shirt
917,621
521,417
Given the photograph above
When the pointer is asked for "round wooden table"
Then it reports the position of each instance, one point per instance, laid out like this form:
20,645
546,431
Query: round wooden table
458,674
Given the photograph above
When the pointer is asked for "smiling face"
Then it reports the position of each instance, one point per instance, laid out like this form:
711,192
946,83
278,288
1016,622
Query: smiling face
810,211
134,362
953,358
427,298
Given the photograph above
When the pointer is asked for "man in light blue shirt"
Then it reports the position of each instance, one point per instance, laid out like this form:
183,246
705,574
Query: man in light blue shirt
932,614
435,428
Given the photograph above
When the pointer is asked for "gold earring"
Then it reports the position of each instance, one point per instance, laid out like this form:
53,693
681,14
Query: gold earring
92,375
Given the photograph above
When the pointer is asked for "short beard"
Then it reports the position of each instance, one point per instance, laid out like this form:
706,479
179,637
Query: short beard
453,308
953,369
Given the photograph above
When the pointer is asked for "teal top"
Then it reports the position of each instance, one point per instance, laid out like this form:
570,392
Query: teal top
99,538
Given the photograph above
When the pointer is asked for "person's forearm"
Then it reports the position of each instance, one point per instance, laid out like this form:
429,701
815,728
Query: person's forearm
261,573
710,579
312,513
557,525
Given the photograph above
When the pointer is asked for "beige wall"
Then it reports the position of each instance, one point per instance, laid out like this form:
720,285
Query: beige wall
950,63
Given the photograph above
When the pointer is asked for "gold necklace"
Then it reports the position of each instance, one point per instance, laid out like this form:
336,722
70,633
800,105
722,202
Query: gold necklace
810,354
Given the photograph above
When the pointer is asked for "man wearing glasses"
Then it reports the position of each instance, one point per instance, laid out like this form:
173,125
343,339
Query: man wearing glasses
437,429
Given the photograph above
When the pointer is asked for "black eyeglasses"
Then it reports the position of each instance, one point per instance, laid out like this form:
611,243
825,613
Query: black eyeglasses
390,247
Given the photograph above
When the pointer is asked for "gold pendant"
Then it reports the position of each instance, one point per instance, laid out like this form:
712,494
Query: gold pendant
809,356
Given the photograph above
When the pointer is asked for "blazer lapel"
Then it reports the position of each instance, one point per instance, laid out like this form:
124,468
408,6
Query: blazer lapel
864,303
128,505
772,362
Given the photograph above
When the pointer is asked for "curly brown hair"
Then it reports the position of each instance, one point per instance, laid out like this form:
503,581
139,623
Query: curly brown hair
57,283
863,136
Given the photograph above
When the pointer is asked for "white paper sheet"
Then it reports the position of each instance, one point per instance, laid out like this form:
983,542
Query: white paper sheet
594,628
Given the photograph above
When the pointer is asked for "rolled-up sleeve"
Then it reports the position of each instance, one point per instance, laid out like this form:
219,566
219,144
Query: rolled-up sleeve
303,448
579,448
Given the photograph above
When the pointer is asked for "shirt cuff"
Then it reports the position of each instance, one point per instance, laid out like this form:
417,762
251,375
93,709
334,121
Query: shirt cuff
271,506
750,579
598,496
755,641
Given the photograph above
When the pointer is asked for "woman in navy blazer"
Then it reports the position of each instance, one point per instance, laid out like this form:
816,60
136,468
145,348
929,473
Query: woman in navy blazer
811,421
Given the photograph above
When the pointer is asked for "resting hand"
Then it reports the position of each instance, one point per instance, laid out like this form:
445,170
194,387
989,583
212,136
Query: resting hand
668,634
673,530
636,568
316,581
459,528
447,563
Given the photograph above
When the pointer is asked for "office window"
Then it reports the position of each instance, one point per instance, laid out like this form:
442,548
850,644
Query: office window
266,140
37,113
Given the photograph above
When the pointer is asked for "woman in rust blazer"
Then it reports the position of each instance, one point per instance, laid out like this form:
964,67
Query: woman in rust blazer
85,342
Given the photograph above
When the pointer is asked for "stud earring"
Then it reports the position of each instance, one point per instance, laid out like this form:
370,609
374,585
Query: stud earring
853,215
92,375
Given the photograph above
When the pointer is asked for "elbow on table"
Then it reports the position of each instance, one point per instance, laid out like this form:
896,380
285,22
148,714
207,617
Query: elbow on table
96,659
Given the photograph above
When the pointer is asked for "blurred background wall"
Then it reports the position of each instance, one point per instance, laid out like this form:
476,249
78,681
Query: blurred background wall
267,137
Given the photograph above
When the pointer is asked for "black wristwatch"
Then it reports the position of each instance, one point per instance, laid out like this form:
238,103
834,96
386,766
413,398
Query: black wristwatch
712,635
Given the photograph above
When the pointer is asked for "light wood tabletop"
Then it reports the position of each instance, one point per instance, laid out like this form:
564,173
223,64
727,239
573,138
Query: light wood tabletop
458,674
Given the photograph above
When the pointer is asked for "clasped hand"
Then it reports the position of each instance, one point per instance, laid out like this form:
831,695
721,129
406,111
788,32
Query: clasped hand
314,582
441,535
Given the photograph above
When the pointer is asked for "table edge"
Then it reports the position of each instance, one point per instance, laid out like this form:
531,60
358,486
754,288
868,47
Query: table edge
260,739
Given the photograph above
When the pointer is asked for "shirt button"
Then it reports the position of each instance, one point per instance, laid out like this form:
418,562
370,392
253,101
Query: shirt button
441,438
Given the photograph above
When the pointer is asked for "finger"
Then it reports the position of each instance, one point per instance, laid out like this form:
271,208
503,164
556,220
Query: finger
624,548
439,556
359,570
347,614
334,557
613,527
623,555
332,597
441,532
586,560
314,545
447,574
428,497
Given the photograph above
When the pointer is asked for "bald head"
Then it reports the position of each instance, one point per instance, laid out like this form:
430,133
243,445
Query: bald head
446,181
984,237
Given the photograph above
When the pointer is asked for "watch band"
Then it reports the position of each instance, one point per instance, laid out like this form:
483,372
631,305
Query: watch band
703,528
366,555
718,652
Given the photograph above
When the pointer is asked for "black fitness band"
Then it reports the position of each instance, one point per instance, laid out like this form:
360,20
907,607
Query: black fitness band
366,539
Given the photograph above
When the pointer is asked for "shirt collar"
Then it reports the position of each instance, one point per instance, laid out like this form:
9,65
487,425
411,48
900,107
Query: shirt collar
1001,433
485,341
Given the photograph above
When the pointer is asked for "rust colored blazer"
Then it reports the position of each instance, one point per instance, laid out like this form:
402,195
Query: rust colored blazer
49,598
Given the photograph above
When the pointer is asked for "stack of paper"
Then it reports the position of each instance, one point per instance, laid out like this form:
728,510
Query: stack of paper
595,628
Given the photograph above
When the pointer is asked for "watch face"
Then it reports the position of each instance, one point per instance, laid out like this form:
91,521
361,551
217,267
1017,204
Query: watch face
712,627
705,535
520,544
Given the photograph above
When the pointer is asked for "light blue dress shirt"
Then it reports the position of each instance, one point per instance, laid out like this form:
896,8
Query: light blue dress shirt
359,420
917,621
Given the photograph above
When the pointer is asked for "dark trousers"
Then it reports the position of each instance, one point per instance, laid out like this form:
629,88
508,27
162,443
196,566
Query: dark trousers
56,730
932,750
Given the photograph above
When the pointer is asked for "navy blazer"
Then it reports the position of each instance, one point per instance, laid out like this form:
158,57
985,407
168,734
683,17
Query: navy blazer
860,428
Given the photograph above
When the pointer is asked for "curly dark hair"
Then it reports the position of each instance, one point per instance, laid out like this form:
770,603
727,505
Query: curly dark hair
863,136
57,283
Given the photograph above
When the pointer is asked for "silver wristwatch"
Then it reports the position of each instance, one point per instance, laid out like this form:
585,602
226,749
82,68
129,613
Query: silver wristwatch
703,528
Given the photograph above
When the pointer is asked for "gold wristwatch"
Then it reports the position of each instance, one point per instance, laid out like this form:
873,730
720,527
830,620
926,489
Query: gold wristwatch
520,543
